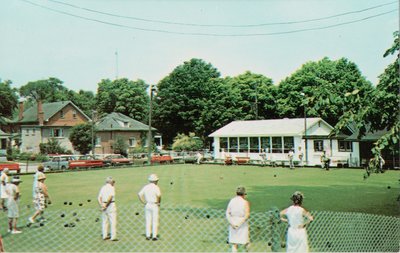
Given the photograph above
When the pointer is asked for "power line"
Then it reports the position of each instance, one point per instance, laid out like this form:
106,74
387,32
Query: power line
208,34
220,25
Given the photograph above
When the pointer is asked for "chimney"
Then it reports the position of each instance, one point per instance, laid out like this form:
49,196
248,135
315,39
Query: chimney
40,112
20,110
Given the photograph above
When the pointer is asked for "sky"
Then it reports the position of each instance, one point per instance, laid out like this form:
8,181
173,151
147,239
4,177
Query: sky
82,42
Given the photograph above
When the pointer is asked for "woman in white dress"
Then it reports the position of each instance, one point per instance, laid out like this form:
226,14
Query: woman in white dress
237,214
295,216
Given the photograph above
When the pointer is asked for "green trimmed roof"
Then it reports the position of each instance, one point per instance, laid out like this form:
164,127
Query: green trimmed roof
119,122
30,115
369,136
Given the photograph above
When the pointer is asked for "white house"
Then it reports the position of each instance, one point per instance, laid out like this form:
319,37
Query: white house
277,136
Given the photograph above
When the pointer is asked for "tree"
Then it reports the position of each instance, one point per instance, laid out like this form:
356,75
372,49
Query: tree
52,146
52,90
120,146
182,97
8,99
84,100
124,96
47,90
324,84
189,142
256,96
382,113
81,138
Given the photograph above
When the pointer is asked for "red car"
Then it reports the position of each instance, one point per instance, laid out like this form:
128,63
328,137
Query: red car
116,159
85,161
11,166
161,159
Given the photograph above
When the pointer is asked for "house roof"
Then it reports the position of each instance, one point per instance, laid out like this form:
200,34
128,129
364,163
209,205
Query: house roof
271,127
119,122
369,136
30,115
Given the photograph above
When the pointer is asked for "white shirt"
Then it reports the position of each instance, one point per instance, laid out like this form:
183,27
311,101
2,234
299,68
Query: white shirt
4,178
151,192
106,192
295,216
12,191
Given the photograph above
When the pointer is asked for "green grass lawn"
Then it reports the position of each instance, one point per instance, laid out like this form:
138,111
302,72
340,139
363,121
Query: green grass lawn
339,190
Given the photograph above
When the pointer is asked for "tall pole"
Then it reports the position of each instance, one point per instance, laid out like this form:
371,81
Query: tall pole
149,135
305,125
305,132
93,137
256,107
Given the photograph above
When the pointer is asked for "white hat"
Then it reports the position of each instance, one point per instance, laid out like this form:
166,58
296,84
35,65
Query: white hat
6,170
16,179
153,178
41,176
109,180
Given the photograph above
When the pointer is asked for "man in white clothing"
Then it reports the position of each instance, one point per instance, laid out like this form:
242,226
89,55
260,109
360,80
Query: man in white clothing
150,195
3,185
108,208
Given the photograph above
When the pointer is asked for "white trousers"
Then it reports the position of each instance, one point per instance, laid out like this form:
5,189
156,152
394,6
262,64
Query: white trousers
109,217
151,213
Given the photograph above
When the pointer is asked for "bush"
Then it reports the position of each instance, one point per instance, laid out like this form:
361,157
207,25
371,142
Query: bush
189,142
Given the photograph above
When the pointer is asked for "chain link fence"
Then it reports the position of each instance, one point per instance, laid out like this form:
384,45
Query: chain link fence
77,228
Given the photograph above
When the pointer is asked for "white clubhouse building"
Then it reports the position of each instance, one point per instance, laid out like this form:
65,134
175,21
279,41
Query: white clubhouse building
276,137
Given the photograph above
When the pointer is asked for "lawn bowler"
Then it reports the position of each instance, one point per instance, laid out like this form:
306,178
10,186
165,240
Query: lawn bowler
39,171
3,194
41,198
150,195
237,214
12,204
106,199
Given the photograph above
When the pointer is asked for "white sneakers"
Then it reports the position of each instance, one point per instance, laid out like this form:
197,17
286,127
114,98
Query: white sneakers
31,220
16,232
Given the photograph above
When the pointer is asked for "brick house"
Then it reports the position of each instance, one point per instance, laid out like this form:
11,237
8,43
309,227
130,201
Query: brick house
117,125
43,121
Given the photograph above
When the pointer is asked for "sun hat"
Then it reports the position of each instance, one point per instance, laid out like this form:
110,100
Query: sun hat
241,191
110,180
6,170
16,179
153,178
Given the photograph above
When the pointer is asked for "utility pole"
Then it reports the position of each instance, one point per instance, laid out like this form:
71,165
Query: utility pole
149,134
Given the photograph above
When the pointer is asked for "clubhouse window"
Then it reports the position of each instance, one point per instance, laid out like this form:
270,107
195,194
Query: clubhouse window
318,145
345,146
277,144
223,143
233,144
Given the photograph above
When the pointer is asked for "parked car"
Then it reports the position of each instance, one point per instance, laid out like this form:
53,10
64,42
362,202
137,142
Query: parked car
60,162
140,158
161,159
11,166
116,159
85,161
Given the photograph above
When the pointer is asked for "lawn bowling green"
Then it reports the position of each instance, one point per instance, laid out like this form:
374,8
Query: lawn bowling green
193,207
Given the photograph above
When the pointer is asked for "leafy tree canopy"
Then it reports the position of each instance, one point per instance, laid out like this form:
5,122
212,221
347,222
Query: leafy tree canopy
255,96
81,138
182,97
123,96
52,90
324,85
8,99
